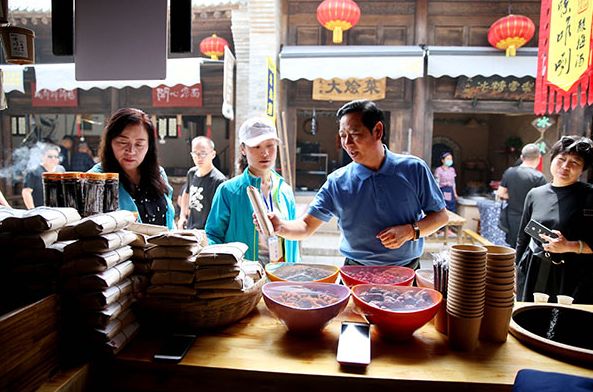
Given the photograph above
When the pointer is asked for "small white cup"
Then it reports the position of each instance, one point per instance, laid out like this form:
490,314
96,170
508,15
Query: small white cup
565,299
541,297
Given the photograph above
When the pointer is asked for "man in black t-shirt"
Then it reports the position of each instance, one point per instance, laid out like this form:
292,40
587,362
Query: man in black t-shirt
202,181
516,182
32,192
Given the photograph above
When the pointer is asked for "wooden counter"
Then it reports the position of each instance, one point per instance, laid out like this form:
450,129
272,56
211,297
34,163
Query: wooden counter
257,353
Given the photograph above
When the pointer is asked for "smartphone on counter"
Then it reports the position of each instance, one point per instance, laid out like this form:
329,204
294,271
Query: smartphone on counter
174,348
354,344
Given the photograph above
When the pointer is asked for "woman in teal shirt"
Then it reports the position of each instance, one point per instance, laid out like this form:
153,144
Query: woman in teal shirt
231,218
128,147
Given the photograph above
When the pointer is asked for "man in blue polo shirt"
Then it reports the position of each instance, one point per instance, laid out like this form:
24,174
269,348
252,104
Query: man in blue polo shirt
384,202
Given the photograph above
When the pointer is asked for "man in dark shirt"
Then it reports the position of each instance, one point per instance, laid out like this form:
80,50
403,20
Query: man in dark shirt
66,151
33,188
82,159
202,181
516,182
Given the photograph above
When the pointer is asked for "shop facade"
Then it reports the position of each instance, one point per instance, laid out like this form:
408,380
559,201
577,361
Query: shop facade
49,103
446,87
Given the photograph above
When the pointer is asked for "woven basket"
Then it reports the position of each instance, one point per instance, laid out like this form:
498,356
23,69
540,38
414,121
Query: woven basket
199,313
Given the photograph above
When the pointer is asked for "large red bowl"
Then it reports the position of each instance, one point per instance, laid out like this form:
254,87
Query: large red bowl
306,306
363,274
301,272
396,311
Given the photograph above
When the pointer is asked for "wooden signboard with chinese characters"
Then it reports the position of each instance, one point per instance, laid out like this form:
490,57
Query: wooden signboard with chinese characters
177,96
495,88
58,98
349,89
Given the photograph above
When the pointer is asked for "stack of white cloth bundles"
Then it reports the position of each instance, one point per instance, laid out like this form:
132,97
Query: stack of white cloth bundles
222,272
97,282
31,256
173,262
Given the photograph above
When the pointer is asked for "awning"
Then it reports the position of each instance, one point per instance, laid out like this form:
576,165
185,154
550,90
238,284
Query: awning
55,76
52,77
45,5
470,61
343,62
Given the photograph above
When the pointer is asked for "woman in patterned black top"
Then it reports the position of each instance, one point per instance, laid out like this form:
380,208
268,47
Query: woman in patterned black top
561,265
128,147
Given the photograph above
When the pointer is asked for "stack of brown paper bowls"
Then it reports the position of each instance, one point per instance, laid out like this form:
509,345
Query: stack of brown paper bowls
500,298
466,295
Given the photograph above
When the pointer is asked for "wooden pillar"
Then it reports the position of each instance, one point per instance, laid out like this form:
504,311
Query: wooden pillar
421,114
5,137
291,129
5,152
577,121
398,137
114,101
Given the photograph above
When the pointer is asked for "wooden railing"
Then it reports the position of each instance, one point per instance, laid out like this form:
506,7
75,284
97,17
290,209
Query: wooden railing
473,237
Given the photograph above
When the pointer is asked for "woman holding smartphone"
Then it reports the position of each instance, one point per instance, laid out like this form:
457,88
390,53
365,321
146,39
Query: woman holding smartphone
561,264
230,217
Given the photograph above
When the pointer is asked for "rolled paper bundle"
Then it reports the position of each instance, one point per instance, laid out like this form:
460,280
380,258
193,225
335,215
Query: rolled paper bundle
260,211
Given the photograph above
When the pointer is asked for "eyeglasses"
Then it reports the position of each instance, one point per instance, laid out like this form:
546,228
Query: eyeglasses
199,154
53,156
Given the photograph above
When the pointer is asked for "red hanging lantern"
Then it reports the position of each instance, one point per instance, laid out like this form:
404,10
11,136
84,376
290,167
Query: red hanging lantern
338,16
213,46
510,33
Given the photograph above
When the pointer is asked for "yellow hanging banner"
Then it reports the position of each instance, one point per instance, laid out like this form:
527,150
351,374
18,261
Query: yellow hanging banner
348,89
569,44
271,94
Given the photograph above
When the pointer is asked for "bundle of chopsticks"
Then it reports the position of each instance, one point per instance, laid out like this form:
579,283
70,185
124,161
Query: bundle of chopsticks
440,265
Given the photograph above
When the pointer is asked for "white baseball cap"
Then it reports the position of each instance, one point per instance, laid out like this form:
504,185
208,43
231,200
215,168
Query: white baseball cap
256,130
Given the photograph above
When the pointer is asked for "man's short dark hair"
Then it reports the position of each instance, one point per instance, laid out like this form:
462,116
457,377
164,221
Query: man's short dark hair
371,114
577,145
68,137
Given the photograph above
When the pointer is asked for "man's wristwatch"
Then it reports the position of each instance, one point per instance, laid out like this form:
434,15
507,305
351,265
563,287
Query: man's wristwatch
416,230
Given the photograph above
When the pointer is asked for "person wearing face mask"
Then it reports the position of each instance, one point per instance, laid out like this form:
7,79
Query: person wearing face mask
445,176
128,147
562,265
230,218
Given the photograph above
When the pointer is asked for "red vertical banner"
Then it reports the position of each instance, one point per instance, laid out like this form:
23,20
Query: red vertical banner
564,67
209,126
179,124
78,125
